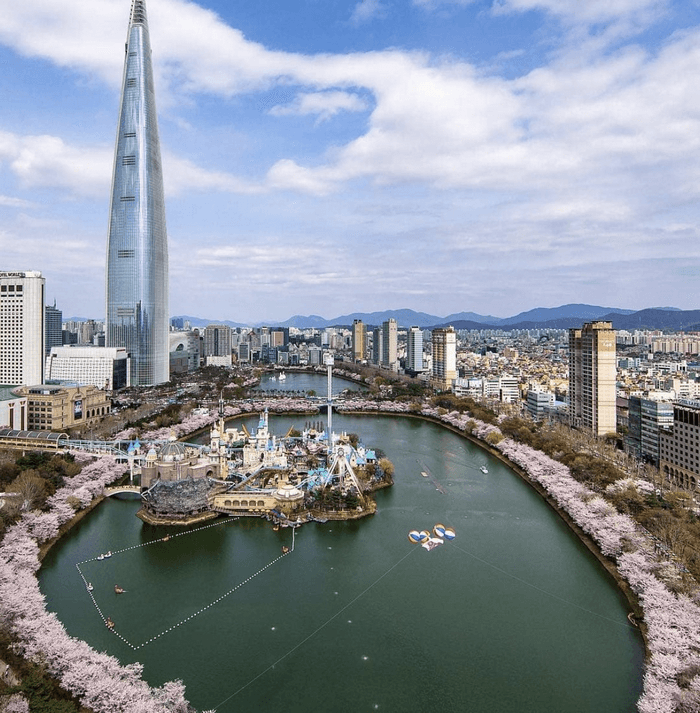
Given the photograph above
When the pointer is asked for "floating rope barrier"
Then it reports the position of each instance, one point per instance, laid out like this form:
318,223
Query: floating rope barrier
102,557
135,647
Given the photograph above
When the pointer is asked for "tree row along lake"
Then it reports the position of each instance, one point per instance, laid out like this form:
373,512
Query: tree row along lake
514,614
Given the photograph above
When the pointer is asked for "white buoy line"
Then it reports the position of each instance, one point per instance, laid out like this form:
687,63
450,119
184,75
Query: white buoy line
135,647
101,557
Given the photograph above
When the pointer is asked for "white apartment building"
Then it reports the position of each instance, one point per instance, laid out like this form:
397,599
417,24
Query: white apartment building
22,328
414,350
509,389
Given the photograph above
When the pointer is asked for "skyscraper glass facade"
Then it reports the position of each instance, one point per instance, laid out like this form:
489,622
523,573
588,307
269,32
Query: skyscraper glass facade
137,251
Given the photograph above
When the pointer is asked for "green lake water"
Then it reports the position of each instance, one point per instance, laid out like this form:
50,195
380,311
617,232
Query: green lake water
514,615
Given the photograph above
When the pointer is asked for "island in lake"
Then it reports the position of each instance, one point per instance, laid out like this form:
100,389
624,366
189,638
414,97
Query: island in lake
307,475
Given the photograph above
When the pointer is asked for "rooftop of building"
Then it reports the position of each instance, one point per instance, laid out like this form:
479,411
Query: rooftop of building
7,393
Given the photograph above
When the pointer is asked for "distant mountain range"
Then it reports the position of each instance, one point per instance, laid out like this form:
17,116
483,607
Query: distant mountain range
564,317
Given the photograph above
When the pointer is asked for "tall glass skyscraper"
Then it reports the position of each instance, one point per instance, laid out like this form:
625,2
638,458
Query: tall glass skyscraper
137,252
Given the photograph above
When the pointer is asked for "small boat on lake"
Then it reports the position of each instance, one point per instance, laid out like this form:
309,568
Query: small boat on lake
484,469
118,589
109,623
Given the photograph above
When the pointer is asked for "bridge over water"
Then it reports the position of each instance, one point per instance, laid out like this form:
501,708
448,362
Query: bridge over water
120,489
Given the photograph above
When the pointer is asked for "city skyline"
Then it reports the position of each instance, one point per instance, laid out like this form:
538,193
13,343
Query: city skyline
318,159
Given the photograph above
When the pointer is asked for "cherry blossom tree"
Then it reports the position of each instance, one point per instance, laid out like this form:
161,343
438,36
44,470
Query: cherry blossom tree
98,680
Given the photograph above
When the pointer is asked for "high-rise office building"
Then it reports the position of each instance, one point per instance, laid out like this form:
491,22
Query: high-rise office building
444,357
592,377
137,251
87,331
390,343
414,350
217,345
217,340
646,419
22,328
377,345
359,340
54,327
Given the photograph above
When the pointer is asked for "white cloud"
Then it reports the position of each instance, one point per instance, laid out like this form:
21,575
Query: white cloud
324,104
85,171
48,162
586,11
181,176
443,123
367,10
431,4
10,202
79,34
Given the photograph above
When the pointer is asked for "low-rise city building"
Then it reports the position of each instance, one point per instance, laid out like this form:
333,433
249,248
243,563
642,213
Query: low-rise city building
13,409
57,408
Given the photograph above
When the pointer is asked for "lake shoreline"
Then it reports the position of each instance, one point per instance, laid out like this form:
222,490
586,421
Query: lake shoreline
586,539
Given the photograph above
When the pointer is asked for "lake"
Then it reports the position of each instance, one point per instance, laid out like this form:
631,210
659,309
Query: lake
514,614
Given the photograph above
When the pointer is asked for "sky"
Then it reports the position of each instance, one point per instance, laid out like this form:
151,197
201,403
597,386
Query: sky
334,156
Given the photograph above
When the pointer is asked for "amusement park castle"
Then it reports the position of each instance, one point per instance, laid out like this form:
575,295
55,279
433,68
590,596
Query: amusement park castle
303,476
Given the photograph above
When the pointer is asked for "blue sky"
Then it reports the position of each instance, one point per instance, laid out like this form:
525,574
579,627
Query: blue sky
331,156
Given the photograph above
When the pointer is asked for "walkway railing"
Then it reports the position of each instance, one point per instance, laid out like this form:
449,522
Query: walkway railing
117,489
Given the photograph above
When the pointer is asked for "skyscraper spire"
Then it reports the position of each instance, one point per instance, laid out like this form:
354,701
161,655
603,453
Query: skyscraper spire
137,251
